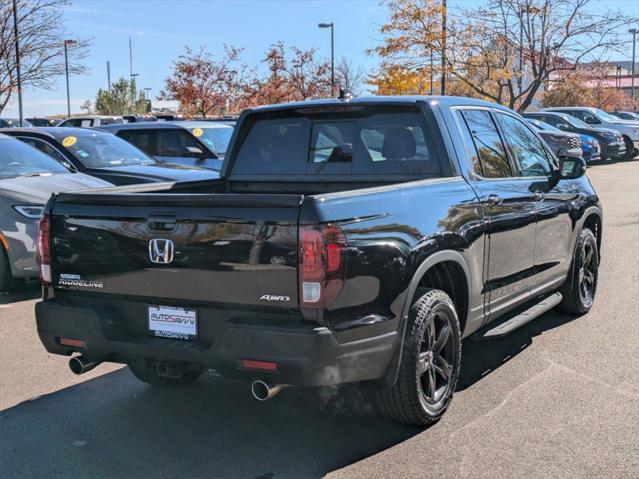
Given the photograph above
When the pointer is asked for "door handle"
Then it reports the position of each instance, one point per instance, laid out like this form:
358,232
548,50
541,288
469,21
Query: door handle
493,199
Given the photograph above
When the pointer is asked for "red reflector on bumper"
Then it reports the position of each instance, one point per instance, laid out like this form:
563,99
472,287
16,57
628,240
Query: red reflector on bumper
262,365
77,343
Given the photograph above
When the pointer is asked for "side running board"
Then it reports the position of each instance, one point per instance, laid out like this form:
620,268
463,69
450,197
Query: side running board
522,318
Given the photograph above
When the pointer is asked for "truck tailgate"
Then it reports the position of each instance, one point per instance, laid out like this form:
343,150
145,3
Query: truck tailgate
235,249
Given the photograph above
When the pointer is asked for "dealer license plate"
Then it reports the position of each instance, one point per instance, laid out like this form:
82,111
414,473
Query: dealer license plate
172,322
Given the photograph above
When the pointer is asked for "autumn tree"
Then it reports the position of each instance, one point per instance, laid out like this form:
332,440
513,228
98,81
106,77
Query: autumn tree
205,85
398,80
501,50
587,86
41,33
293,77
123,98
349,77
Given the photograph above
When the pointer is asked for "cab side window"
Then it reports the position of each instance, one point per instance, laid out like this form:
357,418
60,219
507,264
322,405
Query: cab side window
489,149
527,150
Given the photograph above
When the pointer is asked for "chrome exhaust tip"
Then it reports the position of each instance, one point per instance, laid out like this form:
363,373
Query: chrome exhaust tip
80,364
263,391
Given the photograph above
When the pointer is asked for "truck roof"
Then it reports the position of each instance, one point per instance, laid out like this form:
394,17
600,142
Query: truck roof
446,101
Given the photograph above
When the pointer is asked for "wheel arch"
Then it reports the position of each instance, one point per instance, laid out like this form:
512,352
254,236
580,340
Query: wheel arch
593,220
446,270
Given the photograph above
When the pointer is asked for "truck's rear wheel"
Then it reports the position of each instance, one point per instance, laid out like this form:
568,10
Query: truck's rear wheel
430,362
151,372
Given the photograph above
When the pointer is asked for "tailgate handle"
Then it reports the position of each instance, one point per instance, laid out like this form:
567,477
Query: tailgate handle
162,222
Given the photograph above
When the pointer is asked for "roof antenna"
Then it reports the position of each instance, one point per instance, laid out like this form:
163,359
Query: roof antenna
345,95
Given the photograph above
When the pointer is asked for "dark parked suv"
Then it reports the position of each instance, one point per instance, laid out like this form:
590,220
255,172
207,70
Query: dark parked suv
611,142
190,143
346,241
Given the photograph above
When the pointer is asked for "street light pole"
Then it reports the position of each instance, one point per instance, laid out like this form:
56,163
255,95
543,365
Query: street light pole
17,47
332,27
632,80
66,68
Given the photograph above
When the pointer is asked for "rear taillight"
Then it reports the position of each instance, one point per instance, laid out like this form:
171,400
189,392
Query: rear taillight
322,250
44,249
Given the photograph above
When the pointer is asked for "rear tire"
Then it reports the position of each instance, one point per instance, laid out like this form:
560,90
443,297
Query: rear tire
430,363
581,286
146,371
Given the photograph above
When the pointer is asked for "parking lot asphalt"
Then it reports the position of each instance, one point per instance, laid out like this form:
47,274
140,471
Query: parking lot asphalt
558,398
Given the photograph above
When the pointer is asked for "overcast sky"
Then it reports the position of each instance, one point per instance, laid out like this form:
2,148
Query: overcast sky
160,29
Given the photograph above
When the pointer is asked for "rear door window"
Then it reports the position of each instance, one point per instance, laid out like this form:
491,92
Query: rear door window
489,147
360,140
527,150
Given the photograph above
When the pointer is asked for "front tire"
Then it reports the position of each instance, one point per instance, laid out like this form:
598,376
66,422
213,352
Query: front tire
146,370
630,148
430,362
581,286
7,282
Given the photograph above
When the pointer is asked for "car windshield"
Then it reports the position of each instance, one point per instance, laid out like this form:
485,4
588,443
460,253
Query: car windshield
576,122
216,139
19,159
13,123
540,125
103,150
602,115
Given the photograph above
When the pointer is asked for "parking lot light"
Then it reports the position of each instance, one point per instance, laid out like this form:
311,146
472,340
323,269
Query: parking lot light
66,68
332,27
633,31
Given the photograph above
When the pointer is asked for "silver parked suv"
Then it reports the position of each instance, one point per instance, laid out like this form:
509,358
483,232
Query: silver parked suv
28,177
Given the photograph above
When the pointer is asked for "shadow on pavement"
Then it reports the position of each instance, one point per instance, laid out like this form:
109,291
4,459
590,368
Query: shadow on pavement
21,293
114,426
481,357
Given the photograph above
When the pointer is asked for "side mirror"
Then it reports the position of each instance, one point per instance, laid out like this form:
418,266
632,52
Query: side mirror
571,167
563,127
195,152
592,121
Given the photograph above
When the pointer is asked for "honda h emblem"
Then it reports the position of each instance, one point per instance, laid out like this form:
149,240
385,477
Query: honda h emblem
161,251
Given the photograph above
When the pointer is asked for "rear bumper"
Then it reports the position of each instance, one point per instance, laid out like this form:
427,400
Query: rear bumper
305,355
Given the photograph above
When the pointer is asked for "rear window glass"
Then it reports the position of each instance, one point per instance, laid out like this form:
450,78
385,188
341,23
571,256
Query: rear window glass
359,141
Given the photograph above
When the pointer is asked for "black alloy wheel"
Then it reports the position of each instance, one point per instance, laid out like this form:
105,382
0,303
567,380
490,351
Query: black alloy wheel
587,273
436,358
580,287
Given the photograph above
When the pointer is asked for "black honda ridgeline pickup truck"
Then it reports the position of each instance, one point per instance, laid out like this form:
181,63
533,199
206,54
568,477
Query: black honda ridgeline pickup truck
346,241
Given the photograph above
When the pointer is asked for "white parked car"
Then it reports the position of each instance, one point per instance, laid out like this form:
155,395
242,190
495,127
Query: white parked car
629,129
88,121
